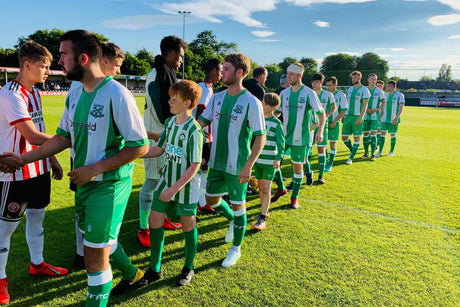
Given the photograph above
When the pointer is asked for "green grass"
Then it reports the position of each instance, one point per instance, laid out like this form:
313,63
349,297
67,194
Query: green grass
383,233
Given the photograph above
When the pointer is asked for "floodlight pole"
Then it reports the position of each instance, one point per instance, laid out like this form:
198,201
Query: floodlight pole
183,13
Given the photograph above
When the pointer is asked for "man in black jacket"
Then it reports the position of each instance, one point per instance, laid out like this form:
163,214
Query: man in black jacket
255,85
157,110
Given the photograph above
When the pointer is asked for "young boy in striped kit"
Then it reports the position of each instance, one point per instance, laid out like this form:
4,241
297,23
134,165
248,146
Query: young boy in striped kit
269,160
181,142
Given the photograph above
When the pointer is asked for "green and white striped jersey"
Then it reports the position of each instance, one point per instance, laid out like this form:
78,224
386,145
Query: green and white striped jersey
391,109
183,146
100,124
297,108
375,101
341,103
234,120
356,97
327,101
274,147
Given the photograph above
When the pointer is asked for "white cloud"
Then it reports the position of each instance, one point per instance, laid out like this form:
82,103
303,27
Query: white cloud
321,24
263,33
137,22
268,40
391,49
237,10
443,20
454,37
454,4
309,2
345,52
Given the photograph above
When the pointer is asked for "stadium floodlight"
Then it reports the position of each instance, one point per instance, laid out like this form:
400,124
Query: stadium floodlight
183,13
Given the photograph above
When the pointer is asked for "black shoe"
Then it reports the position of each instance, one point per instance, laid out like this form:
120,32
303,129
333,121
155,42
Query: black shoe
321,180
151,276
126,285
309,178
251,191
289,187
185,277
365,156
79,262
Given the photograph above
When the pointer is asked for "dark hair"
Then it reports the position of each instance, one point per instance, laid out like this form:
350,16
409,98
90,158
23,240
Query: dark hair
332,79
187,90
392,82
317,76
211,64
112,51
84,42
171,43
380,82
258,71
371,74
33,52
239,61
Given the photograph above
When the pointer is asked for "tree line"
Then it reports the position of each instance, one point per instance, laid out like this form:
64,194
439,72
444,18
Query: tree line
206,46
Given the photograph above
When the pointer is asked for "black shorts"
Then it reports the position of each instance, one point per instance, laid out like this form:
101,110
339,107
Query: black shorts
206,154
18,195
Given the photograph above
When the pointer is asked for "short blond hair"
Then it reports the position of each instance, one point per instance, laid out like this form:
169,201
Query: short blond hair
356,73
33,52
239,61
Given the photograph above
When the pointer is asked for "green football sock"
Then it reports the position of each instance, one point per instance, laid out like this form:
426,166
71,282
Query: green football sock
321,164
99,286
279,180
157,238
144,218
366,144
120,261
297,182
239,226
354,149
332,154
382,143
393,143
191,244
348,144
373,144
223,209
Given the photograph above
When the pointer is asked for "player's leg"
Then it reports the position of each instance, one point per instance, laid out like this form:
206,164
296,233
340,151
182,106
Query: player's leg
347,131
383,133
203,206
217,188
366,138
40,187
393,131
145,202
357,132
298,154
187,213
374,130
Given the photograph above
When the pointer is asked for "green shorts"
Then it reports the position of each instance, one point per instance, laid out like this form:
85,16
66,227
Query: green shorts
325,136
220,183
370,125
333,133
349,126
298,153
167,207
99,207
389,127
264,171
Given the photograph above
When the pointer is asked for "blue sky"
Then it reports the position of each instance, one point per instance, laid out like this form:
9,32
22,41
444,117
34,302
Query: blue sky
415,36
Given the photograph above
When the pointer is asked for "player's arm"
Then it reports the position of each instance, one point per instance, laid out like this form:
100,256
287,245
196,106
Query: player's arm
339,118
382,105
51,147
395,120
31,134
333,108
199,109
153,152
322,122
259,143
169,193
86,173
153,135
363,112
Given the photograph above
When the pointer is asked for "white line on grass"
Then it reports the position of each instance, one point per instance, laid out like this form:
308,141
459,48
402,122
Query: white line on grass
373,213
382,215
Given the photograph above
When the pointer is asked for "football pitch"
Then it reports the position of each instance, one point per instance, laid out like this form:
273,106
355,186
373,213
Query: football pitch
384,233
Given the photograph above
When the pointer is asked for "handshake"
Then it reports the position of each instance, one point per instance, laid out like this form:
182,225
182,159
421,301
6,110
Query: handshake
10,162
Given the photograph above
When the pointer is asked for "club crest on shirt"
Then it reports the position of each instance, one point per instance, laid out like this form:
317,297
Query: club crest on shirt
302,99
219,102
238,109
97,110
182,135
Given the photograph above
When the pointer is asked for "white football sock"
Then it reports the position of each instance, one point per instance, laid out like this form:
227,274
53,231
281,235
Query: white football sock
34,234
6,230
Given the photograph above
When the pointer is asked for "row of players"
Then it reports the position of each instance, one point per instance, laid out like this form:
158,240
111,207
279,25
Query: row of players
103,126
